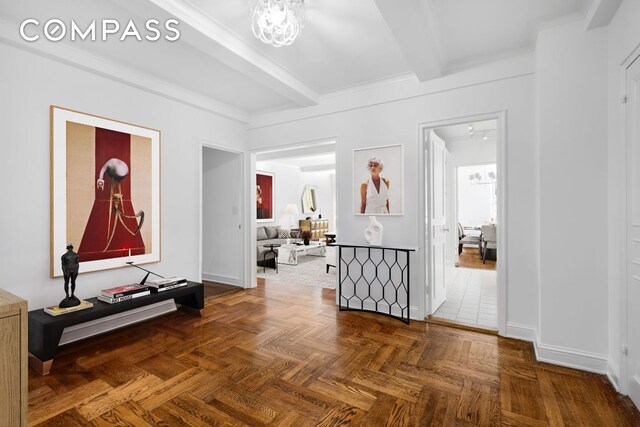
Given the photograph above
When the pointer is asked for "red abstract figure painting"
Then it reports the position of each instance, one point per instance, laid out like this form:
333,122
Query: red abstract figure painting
106,190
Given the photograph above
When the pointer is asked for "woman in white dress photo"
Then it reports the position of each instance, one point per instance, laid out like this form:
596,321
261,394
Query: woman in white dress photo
374,192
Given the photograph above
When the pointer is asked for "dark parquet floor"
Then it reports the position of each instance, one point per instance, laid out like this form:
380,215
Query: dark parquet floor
284,356
214,290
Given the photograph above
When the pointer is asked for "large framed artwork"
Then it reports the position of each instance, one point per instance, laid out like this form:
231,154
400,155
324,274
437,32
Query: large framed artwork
105,191
378,180
265,196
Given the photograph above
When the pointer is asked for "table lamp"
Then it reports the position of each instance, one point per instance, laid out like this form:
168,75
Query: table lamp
291,210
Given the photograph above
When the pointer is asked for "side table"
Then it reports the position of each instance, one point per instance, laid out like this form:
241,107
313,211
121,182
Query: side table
271,262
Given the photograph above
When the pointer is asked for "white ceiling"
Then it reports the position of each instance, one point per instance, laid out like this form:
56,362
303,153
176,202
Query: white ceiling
325,161
317,157
478,31
458,133
344,42
178,62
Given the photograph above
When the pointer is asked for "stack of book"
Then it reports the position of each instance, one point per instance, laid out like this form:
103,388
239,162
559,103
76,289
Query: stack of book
123,293
57,310
164,284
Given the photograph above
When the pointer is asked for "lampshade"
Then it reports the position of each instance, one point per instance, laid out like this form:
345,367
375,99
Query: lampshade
291,209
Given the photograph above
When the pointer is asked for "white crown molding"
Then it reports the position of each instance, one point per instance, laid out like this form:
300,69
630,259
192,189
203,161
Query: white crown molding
397,89
232,50
103,67
375,84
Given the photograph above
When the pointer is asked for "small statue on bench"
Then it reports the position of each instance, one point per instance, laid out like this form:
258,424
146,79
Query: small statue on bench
70,267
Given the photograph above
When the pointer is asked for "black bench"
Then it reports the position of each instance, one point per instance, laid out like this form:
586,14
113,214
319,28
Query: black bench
45,330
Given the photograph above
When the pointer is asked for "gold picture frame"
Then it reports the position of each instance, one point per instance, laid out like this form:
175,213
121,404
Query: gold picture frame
105,191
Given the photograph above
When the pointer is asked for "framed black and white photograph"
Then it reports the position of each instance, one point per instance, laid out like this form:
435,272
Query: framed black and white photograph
378,180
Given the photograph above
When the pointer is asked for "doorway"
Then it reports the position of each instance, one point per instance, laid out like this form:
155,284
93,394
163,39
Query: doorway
295,209
222,259
630,364
464,222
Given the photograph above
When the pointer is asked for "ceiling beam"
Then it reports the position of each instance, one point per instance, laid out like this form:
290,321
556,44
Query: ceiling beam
413,29
600,13
213,39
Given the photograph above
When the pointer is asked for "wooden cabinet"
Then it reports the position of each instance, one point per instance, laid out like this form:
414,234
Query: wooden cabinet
317,227
13,360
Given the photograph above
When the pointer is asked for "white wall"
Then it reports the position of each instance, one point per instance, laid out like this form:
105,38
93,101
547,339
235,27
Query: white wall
572,112
290,182
28,85
326,192
624,37
222,235
476,202
397,121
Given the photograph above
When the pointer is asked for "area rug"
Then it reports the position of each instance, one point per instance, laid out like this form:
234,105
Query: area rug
310,271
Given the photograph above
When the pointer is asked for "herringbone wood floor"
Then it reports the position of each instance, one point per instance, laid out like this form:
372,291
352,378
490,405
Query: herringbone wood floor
283,355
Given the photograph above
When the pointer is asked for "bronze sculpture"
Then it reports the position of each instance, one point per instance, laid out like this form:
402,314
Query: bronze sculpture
70,267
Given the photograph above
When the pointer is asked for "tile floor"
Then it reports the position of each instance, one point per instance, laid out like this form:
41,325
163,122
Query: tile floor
472,297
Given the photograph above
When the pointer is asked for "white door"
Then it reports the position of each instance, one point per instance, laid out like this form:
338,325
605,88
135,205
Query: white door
436,224
633,244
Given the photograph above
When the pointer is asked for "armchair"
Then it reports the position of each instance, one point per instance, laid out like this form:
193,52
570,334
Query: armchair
489,239
464,239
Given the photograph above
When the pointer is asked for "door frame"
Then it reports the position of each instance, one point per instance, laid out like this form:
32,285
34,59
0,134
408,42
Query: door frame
623,383
250,185
456,192
502,251
203,144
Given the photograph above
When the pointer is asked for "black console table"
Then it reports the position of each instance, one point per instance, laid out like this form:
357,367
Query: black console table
374,279
45,330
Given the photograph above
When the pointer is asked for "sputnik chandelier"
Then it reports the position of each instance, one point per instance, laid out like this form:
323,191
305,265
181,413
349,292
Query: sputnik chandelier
276,22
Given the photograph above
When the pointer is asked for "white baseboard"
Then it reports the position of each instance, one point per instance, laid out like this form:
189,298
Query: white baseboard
227,280
521,332
99,326
556,355
571,358
613,373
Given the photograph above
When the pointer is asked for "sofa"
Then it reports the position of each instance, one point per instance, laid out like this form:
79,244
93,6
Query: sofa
270,235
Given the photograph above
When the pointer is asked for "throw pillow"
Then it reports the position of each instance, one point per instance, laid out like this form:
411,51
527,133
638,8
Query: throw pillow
272,232
261,234
283,234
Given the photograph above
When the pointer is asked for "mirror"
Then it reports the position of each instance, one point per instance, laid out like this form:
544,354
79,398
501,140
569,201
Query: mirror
310,199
